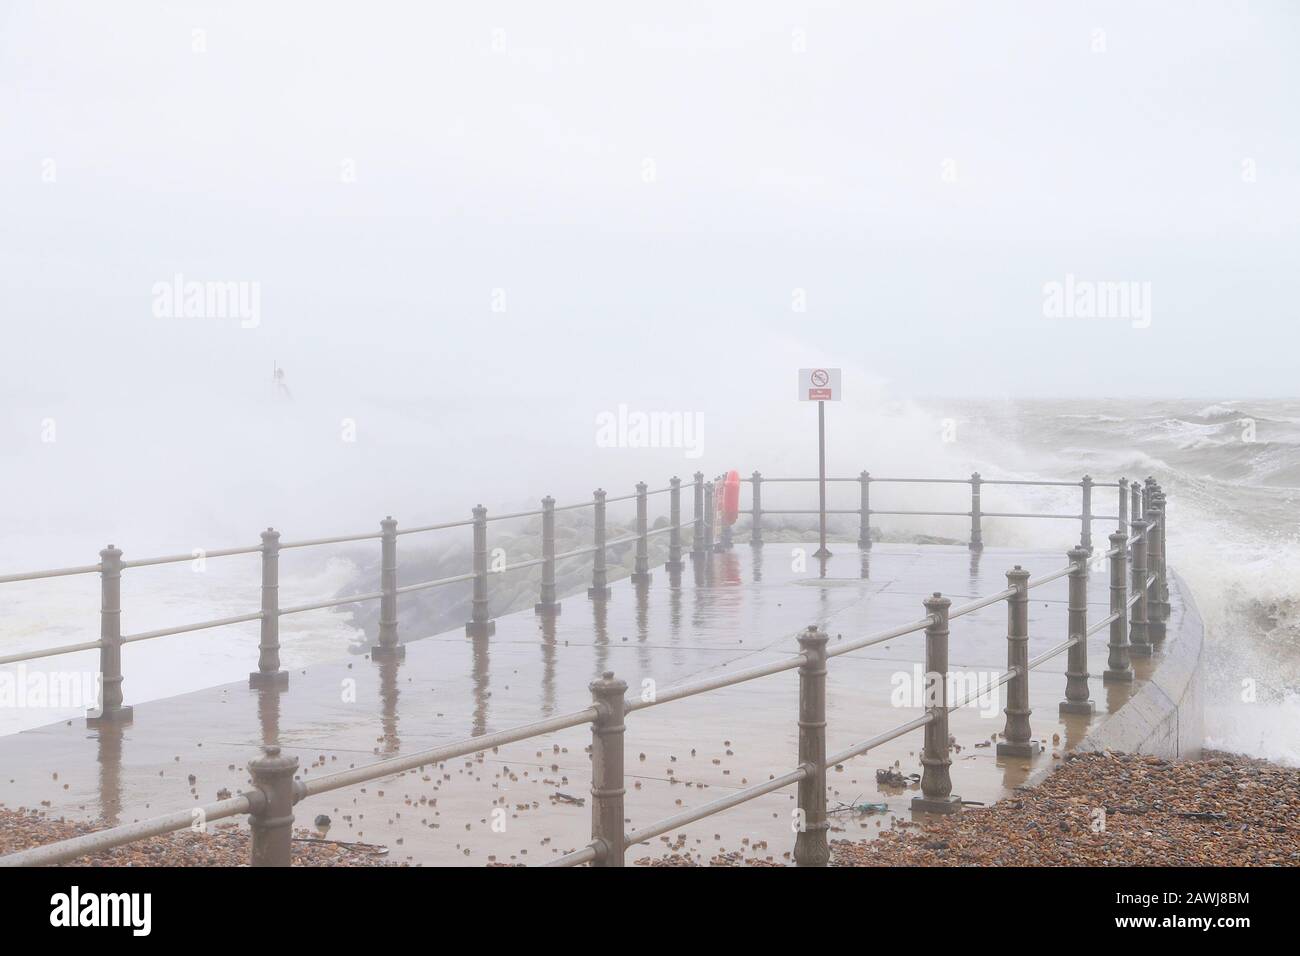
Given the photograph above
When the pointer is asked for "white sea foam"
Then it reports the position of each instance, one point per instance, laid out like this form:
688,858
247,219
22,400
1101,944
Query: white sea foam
1218,410
1266,729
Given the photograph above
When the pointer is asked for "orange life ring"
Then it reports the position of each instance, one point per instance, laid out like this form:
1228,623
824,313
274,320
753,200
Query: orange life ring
730,498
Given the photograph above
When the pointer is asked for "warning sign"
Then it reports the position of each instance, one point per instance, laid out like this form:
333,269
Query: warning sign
819,385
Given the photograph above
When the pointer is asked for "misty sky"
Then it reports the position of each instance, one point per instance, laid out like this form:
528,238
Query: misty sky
648,190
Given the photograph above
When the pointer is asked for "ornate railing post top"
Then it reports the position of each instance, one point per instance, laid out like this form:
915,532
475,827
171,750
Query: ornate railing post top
813,638
607,686
937,602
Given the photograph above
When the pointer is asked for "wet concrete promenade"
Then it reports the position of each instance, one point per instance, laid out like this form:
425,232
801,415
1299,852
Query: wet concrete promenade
740,608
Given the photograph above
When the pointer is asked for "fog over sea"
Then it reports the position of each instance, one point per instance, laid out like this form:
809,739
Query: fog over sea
1231,469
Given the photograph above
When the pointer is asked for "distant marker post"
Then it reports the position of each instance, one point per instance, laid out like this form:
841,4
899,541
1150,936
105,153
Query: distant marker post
820,385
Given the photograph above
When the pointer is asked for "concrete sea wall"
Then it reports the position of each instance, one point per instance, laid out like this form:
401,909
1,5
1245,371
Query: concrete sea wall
1165,717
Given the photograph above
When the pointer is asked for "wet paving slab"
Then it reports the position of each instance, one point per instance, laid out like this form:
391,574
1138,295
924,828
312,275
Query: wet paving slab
529,801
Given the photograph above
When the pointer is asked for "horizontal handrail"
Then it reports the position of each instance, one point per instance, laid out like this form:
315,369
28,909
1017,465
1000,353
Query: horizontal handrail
338,539
454,579
192,556
53,573
577,552
587,854
1048,578
980,603
683,691
734,799
1053,652
1012,514
184,628
1011,674
461,748
512,514
51,652
876,741
435,527
332,602
101,840
1104,623
880,637
872,479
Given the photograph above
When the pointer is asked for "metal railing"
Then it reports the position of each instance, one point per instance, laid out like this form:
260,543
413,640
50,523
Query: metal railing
269,673
704,525
1085,517
1139,607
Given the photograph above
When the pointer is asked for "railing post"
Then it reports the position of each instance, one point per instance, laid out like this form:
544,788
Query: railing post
1157,608
756,520
641,569
1164,554
864,512
1122,525
607,770
1085,534
110,709
268,673
697,536
1139,639
388,646
599,590
272,820
710,514
1076,666
1118,667
548,605
675,520
1134,507
810,847
480,623
1017,736
976,532
936,783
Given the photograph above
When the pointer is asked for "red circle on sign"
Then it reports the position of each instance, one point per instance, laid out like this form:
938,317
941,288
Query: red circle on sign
820,378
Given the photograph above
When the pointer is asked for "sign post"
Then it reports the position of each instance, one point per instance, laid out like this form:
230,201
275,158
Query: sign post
820,385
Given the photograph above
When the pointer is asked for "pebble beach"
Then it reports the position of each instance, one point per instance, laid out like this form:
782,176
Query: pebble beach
1102,809
1096,809
221,845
